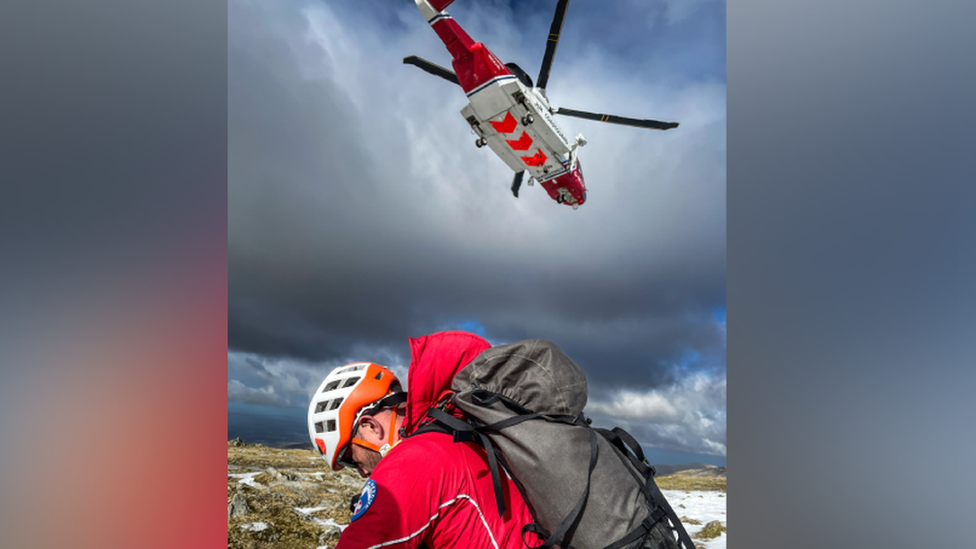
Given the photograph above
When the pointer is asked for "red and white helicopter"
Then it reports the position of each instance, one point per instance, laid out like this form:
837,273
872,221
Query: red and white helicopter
512,116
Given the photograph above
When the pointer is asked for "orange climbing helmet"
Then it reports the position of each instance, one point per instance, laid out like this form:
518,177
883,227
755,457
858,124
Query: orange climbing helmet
344,395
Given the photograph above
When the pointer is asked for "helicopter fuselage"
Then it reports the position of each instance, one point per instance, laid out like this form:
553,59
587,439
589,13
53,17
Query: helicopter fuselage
512,119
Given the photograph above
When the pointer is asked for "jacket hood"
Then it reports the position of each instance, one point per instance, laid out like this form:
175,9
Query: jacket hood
436,359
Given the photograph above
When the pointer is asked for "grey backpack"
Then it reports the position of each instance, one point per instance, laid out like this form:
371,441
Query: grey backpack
588,488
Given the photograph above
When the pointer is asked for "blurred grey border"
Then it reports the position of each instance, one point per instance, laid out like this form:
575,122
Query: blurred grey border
113,187
850,273
850,253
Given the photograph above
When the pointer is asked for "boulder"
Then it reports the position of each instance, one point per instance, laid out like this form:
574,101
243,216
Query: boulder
255,526
237,507
329,536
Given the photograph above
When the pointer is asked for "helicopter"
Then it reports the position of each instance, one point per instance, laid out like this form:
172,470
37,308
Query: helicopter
510,115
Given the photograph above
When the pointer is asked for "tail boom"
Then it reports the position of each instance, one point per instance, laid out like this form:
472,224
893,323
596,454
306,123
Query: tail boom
473,63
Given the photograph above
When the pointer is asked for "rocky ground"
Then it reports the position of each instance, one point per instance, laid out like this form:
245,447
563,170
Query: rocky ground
285,499
290,499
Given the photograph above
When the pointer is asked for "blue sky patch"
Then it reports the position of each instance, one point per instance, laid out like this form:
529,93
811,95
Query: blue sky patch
474,327
719,315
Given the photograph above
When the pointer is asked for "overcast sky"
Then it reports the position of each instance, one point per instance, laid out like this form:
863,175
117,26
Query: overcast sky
361,213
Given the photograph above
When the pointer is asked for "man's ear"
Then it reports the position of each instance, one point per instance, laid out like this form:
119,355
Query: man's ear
371,423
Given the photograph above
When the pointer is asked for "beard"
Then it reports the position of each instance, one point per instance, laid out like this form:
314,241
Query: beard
370,460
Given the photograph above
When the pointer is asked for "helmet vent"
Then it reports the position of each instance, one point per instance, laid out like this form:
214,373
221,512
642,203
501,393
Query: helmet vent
350,382
335,404
331,386
330,425
318,427
355,368
379,376
320,407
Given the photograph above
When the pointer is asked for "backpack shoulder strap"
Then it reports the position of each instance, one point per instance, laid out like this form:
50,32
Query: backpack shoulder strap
465,432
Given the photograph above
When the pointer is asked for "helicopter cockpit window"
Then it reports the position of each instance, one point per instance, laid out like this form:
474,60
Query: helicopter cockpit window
524,78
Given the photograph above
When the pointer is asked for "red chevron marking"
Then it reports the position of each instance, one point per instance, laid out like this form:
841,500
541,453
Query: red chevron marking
537,160
521,144
505,126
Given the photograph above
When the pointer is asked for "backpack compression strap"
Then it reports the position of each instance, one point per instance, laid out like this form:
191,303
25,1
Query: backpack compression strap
630,451
569,524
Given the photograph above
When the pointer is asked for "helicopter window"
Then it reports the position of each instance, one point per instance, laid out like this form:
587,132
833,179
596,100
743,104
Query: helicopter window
520,74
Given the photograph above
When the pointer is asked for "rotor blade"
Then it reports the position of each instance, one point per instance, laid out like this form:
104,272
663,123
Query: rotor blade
638,122
427,66
517,183
554,31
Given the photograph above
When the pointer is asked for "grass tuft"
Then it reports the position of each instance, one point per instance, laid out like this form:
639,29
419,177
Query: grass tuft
711,530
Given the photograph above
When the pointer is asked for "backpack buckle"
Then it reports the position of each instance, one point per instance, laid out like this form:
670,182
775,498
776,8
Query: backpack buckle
652,519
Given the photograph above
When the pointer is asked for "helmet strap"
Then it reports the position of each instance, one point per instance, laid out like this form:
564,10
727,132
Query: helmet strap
392,429
365,444
390,443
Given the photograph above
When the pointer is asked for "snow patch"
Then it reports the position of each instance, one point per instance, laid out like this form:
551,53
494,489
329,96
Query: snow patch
321,522
247,478
329,522
316,475
704,506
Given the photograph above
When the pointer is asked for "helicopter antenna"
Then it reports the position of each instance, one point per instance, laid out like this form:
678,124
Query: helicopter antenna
554,31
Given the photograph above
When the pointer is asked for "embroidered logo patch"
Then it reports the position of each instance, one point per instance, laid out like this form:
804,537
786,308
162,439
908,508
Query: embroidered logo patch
365,500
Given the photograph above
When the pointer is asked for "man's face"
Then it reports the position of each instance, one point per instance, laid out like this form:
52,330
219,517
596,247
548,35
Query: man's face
365,458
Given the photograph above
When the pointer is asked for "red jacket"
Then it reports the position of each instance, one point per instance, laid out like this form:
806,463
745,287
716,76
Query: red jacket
428,489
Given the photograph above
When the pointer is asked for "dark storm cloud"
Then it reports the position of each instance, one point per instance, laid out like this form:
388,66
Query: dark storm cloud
360,213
